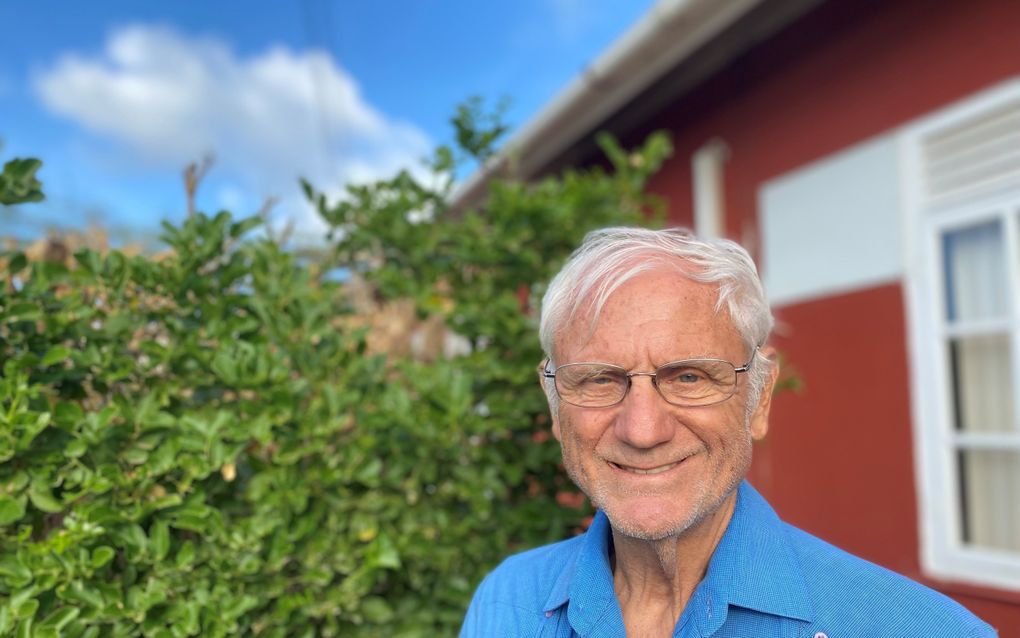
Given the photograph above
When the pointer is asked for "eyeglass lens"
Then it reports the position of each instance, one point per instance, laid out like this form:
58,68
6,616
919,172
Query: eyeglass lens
687,383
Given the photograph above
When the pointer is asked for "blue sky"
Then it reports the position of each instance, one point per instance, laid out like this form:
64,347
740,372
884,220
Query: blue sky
116,97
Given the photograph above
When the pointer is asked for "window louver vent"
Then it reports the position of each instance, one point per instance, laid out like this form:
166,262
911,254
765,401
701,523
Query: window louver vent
978,156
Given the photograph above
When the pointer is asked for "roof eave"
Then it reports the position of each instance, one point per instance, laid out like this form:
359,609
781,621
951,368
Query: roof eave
670,32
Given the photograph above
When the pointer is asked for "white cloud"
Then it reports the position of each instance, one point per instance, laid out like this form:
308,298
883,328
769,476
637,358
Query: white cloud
269,118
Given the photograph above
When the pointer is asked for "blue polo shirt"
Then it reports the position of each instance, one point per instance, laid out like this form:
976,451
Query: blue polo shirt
766,578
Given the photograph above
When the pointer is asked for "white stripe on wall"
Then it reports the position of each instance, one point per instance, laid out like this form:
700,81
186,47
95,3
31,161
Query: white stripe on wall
833,226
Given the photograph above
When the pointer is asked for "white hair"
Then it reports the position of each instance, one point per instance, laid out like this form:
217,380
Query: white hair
610,257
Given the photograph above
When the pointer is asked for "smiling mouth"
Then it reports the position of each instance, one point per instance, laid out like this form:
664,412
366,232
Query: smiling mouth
652,470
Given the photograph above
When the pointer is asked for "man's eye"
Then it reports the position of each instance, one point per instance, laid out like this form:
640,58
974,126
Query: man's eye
684,376
604,378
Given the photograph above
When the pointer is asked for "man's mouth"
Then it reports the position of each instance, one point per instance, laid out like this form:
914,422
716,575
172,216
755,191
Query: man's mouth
649,470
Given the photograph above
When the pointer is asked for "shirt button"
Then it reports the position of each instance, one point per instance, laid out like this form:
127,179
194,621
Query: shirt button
548,614
821,635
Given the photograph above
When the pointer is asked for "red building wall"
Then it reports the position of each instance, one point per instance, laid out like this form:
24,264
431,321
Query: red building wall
839,458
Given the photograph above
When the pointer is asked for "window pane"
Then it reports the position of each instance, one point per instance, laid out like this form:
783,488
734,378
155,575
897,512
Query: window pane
982,383
975,272
991,500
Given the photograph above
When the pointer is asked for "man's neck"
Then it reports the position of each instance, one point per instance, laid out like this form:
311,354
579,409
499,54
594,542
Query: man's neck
654,580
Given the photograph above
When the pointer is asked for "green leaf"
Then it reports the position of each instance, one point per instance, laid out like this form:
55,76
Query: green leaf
24,629
18,183
12,509
133,536
135,456
81,595
32,429
45,632
55,354
75,449
23,311
17,482
190,621
101,556
238,229
191,523
68,412
159,539
90,260
26,608
369,472
14,571
59,619
185,555
376,610
383,553
41,497
17,263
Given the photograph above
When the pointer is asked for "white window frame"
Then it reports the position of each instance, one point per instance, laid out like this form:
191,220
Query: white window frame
936,443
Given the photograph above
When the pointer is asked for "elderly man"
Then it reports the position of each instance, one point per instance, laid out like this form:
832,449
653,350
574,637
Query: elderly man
658,380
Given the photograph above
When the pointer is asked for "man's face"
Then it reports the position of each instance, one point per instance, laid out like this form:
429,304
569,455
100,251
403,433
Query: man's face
656,469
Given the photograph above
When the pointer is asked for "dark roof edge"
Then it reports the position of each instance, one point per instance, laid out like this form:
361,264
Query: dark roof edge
670,32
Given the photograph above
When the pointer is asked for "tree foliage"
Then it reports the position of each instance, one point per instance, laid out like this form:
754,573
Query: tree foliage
199,444
18,183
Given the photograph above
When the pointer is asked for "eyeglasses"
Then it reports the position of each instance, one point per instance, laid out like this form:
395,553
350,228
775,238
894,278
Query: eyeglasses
688,383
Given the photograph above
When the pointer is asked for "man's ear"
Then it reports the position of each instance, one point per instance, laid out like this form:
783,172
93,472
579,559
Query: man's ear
759,421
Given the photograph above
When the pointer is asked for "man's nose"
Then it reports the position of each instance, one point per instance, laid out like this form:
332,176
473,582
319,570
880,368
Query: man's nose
643,420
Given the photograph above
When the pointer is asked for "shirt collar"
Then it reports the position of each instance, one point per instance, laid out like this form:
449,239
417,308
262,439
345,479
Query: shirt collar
753,566
586,584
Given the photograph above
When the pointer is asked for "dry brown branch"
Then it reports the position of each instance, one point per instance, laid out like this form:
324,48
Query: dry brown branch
288,228
194,173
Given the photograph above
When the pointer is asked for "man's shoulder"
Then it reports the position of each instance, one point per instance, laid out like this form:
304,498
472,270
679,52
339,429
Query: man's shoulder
527,579
510,601
843,586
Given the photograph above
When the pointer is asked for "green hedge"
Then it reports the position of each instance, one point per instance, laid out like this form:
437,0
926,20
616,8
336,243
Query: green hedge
198,444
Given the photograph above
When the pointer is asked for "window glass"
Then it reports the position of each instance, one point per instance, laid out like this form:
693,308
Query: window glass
982,384
991,500
975,272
